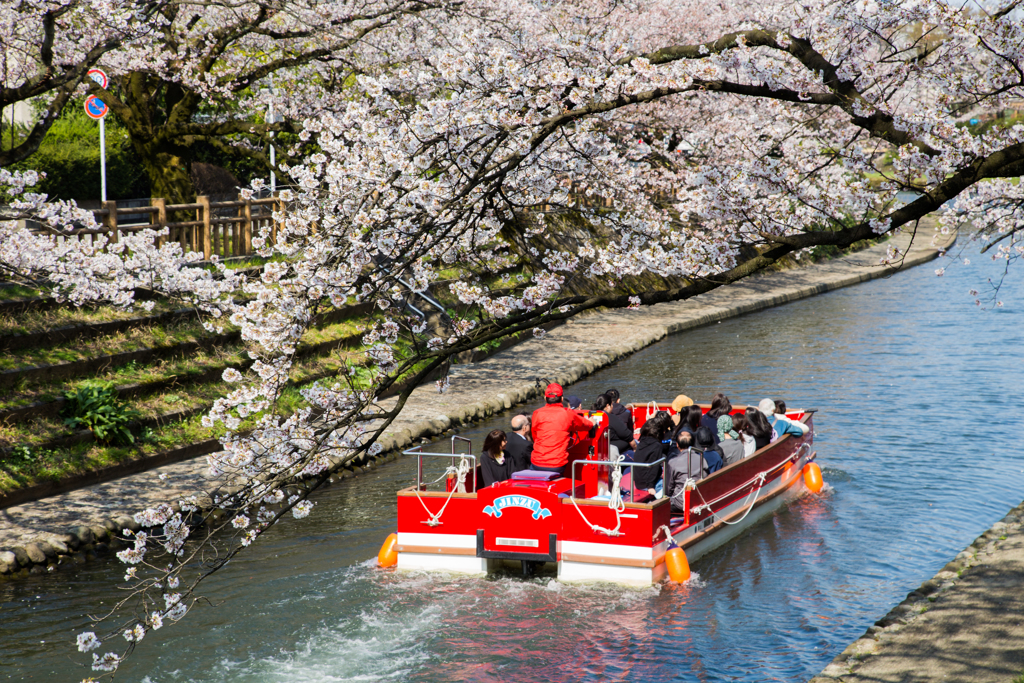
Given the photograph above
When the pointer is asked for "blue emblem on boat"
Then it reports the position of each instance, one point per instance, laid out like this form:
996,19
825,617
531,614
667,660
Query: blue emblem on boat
517,502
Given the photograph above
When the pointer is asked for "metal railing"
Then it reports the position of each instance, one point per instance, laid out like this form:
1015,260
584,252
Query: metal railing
419,453
608,463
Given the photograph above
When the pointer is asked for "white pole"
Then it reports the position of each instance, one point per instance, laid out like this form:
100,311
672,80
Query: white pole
270,117
103,162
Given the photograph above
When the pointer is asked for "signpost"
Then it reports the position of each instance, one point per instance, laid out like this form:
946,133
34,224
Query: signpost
95,108
271,119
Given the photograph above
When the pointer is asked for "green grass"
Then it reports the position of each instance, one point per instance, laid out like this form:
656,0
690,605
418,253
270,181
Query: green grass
18,292
68,316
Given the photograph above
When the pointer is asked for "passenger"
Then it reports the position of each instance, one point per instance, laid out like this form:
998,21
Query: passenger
719,406
705,441
624,413
494,466
649,449
519,446
685,462
759,428
573,402
690,420
729,444
781,425
551,426
742,427
780,414
621,436
680,405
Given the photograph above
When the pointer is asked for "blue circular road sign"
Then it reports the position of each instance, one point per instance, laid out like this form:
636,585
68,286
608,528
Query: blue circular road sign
95,108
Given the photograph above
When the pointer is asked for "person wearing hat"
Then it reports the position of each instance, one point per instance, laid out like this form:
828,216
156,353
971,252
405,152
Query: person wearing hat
678,404
552,427
780,424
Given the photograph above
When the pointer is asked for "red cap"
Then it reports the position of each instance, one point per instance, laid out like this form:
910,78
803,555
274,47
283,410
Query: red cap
553,390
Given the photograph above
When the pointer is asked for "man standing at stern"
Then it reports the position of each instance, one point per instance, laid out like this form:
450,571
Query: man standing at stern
552,427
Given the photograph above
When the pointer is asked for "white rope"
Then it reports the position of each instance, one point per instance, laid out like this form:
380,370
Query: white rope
668,534
756,493
615,502
461,471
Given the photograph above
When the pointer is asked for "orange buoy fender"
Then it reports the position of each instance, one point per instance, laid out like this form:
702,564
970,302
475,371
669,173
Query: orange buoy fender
677,564
388,555
812,477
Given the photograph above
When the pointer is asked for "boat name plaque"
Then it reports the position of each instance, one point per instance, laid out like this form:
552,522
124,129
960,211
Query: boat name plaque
517,502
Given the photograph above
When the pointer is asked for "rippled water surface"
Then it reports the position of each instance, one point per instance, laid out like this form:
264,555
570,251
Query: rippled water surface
919,393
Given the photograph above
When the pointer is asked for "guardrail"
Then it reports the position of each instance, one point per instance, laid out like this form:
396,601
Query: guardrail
222,228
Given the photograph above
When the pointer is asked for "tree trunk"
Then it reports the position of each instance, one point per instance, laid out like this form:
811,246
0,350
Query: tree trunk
169,172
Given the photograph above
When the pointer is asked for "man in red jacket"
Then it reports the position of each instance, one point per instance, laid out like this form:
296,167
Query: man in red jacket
552,426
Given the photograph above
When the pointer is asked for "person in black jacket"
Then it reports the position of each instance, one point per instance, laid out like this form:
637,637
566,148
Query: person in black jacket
720,406
494,466
758,427
519,447
622,411
621,436
649,449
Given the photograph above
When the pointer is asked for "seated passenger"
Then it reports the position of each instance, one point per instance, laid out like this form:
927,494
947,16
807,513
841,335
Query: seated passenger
680,406
780,413
689,420
685,462
706,445
719,406
622,411
729,444
573,402
759,428
649,449
782,425
494,465
519,447
621,435
742,427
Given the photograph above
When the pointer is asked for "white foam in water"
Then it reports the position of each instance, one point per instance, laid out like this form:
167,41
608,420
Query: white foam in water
382,646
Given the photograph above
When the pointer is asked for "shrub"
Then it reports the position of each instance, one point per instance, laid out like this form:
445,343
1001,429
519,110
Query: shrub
70,157
97,408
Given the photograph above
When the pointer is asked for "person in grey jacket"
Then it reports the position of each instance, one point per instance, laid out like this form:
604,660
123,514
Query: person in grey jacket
729,444
685,462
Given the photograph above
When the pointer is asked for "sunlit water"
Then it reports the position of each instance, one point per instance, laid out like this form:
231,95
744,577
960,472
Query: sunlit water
920,396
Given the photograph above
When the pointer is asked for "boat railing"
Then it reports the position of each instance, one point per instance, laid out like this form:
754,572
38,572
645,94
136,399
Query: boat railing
419,453
608,463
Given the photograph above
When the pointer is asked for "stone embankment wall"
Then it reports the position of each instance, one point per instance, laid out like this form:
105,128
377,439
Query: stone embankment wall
45,534
966,623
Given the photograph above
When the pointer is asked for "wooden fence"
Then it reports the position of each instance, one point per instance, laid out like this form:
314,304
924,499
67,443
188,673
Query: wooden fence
221,228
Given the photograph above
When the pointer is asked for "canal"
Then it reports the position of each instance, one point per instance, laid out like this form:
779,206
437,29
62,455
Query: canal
918,433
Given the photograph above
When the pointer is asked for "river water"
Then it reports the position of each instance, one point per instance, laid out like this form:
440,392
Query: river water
919,395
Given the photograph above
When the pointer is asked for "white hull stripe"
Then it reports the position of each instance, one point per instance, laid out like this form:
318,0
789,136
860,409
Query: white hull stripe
437,540
619,552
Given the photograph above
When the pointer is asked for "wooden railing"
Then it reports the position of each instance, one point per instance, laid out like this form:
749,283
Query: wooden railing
221,228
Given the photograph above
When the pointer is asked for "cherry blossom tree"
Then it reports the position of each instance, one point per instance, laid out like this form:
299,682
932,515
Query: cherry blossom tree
46,48
204,75
526,160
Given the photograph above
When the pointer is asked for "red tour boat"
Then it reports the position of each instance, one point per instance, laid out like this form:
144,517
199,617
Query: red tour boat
590,532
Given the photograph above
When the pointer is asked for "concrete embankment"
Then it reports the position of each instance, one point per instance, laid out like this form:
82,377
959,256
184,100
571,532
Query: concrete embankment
51,532
964,624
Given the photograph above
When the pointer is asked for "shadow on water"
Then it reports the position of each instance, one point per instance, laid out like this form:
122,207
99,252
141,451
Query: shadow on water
900,369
